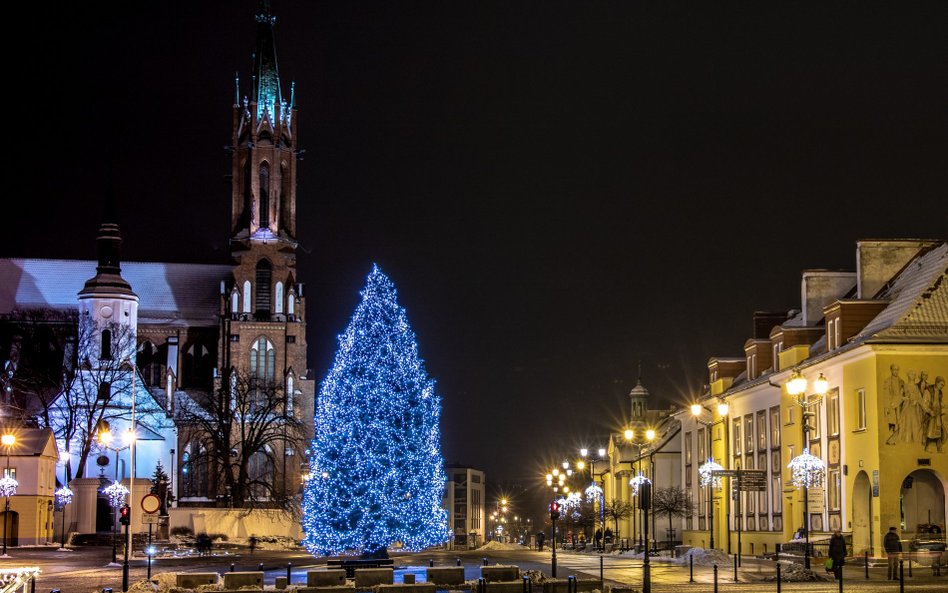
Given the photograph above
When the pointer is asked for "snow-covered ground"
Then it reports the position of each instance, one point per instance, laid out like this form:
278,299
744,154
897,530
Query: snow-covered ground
496,545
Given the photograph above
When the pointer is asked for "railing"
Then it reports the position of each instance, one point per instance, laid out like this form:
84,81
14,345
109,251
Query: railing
18,580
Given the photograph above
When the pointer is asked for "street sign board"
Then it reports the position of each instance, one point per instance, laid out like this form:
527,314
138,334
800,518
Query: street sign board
816,496
151,503
150,519
753,486
724,473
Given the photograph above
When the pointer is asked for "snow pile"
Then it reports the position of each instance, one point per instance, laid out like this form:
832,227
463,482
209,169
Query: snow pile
143,586
535,576
791,572
496,545
705,557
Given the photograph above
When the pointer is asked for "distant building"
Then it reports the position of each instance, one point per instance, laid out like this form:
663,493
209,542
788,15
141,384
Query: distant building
465,501
31,461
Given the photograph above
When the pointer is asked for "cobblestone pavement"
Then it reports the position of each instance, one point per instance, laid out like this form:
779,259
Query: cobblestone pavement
87,570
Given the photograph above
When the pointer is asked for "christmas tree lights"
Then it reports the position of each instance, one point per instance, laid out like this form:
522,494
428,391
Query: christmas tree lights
377,471
637,482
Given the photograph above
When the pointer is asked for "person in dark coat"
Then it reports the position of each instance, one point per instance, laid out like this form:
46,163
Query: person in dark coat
540,537
893,548
837,551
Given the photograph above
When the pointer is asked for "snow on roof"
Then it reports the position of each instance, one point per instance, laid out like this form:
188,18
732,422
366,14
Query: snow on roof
918,298
172,293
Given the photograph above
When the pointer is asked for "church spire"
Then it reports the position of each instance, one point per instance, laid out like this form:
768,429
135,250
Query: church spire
108,278
266,73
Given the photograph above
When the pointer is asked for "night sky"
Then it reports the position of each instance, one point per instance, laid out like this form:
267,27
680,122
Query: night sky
560,191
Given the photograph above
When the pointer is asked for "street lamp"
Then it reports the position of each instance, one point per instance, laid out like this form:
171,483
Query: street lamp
116,492
595,491
707,469
8,485
807,470
555,480
63,497
636,480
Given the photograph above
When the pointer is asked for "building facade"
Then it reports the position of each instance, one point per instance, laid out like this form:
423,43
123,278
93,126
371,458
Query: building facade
878,336
465,499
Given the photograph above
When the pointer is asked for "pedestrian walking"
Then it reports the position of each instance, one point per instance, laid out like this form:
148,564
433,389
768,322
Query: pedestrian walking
540,537
837,552
893,549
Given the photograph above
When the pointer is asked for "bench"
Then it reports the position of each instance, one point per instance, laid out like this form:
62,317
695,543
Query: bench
350,566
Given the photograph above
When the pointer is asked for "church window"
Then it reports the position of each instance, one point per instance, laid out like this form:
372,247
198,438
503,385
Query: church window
198,366
105,391
261,469
291,304
263,360
289,394
106,345
278,296
263,279
149,362
264,195
248,198
246,307
285,204
234,305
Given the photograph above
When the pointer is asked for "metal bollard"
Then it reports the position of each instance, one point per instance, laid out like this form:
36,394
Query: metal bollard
458,561
571,584
106,589
691,569
778,577
600,568
735,568
867,564
485,560
289,572
715,578
232,567
527,585
481,585
901,576
431,563
910,565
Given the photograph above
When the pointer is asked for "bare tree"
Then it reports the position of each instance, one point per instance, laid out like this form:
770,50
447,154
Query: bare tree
672,502
618,510
39,360
96,389
238,433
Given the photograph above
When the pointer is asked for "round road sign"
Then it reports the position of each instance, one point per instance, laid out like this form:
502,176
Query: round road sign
151,503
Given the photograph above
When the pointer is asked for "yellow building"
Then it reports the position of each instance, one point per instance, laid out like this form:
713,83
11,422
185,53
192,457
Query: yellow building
31,460
875,343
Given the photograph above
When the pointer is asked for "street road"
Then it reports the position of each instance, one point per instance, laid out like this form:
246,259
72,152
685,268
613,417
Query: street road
87,570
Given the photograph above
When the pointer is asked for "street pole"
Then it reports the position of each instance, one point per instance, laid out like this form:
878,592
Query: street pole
131,484
553,545
710,495
806,496
645,502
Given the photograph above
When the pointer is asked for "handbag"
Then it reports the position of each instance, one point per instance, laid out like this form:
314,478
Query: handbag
828,564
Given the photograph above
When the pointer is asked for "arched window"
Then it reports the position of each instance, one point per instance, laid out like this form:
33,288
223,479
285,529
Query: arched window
194,470
263,360
261,470
278,296
264,278
289,394
198,366
106,345
264,195
285,198
291,304
149,362
234,302
246,304
248,197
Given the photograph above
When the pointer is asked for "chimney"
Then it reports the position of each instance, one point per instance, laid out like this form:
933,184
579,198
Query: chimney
819,288
878,260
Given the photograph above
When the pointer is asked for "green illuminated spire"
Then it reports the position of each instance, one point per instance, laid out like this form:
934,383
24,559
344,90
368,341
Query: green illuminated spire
267,75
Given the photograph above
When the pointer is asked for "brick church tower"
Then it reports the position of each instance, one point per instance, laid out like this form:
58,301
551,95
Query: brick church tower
263,319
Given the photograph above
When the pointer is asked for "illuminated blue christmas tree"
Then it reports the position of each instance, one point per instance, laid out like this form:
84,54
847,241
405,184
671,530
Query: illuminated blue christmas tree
377,474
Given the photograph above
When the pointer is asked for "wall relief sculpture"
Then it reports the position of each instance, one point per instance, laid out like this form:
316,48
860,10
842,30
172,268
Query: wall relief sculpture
915,409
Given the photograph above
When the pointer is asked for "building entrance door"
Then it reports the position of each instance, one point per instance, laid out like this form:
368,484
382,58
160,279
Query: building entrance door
922,504
862,514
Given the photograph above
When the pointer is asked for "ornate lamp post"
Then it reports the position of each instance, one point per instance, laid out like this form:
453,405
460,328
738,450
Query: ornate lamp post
807,470
8,487
705,471
63,497
595,491
555,480
636,481
116,492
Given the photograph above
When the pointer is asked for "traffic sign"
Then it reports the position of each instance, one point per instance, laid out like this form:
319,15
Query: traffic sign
151,503
150,519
